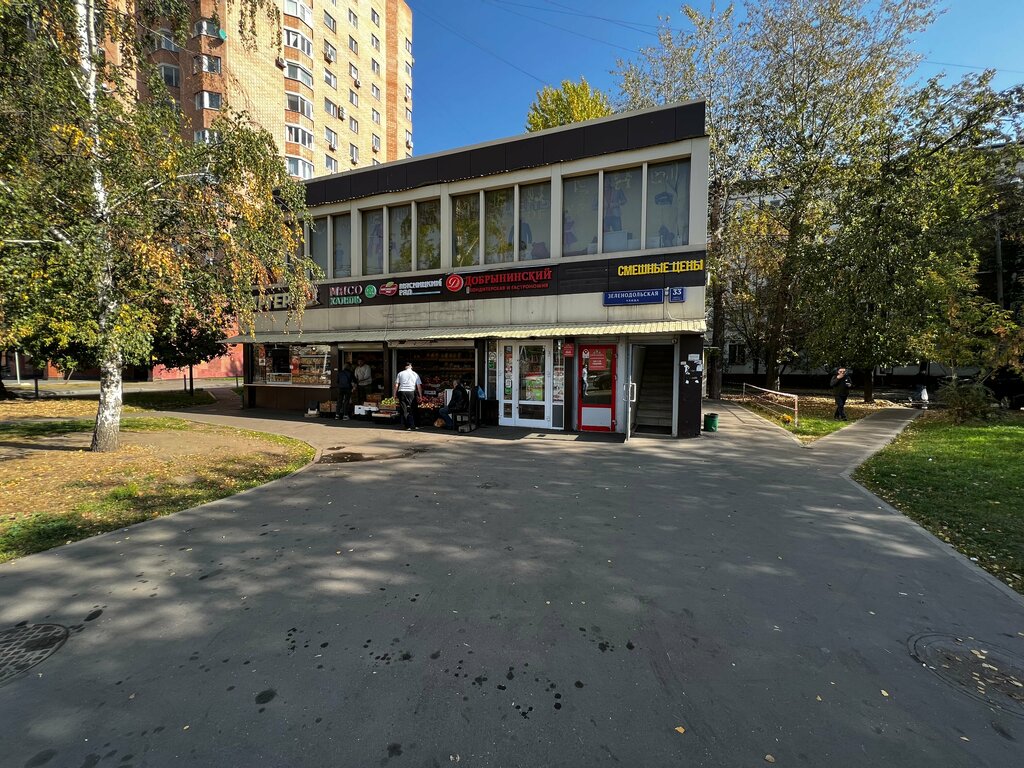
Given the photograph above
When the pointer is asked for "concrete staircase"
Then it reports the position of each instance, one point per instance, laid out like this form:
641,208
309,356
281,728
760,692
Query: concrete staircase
654,398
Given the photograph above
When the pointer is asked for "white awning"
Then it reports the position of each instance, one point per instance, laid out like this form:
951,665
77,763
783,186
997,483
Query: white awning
639,328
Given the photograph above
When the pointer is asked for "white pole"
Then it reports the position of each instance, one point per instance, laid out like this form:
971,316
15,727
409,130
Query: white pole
17,367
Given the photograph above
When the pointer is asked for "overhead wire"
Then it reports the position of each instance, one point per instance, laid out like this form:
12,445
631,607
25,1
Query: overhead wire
562,29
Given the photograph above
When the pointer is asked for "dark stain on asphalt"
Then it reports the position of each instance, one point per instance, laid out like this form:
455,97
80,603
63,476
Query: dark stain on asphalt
94,615
509,675
435,655
91,760
394,750
1002,731
406,656
578,684
479,680
41,758
264,697
208,575
630,646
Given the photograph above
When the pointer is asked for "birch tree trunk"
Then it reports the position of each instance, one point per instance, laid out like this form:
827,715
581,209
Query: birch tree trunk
106,433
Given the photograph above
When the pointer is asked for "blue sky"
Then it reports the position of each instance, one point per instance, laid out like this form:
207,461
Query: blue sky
479,63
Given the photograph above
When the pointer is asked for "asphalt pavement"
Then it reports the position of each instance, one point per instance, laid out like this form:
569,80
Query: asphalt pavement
509,598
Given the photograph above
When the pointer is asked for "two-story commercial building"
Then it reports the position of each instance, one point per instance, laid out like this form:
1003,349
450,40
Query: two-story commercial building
563,271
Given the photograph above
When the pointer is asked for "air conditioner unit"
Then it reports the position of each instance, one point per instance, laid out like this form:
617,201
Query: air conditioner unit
407,99
280,62
354,161
356,83
329,56
408,143
333,147
376,149
342,113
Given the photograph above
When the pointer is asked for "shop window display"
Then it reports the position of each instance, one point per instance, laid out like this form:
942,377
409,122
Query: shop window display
342,245
622,198
466,230
373,242
400,238
499,226
428,234
534,221
579,217
294,364
668,204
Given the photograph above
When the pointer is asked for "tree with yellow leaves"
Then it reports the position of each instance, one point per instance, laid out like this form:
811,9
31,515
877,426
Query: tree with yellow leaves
112,224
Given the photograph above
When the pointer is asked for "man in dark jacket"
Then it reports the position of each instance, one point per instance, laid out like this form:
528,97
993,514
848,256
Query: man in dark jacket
346,383
458,404
840,385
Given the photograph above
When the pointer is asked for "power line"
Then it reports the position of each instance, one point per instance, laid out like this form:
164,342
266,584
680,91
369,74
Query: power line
474,43
564,29
633,26
968,66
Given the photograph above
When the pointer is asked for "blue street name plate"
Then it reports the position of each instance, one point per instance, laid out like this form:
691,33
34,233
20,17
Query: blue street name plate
644,296
677,294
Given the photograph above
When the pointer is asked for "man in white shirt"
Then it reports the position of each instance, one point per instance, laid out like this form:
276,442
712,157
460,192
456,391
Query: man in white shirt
364,380
408,389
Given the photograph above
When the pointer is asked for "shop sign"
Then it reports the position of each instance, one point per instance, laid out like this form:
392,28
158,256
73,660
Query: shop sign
420,287
390,288
342,295
644,296
660,268
569,349
598,360
281,298
454,283
677,294
509,280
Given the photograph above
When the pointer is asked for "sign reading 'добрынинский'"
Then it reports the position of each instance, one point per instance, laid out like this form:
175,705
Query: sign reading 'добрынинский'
567,277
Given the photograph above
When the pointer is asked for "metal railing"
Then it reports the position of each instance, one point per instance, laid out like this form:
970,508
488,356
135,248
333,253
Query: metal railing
774,401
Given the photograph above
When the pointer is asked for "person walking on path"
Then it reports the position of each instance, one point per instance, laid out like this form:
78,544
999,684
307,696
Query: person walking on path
346,385
408,389
364,380
840,385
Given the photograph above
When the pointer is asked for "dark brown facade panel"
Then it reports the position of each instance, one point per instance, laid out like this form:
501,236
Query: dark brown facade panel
630,132
396,177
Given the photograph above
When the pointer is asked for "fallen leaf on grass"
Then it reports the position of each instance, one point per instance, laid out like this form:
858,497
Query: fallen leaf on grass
769,759
680,729
885,693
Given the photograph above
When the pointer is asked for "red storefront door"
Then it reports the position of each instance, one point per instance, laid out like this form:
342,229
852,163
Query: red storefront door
597,388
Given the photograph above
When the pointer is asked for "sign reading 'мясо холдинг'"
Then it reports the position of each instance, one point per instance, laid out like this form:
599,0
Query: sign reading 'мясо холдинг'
637,274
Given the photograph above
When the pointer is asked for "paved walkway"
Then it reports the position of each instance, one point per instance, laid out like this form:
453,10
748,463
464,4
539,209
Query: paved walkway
510,600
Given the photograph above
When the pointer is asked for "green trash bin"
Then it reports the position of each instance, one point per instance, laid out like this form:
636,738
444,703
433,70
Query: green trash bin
710,422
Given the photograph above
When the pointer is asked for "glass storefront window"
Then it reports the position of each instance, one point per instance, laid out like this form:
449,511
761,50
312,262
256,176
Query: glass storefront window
499,225
295,364
533,376
373,242
428,235
668,204
400,238
466,230
342,245
579,217
318,244
622,200
534,221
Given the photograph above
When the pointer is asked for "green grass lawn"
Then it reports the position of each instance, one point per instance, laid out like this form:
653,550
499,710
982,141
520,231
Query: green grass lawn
815,415
964,483
167,401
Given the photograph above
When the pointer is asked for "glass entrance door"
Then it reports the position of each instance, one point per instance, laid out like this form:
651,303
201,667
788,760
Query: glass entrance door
598,388
525,385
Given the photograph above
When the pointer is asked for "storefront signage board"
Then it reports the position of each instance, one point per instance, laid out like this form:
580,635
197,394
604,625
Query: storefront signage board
645,296
569,349
677,294
564,278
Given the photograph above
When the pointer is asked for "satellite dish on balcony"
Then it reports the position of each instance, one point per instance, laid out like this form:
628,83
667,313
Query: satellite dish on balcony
223,34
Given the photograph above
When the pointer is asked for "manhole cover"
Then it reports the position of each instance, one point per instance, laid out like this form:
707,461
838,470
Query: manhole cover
21,648
982,670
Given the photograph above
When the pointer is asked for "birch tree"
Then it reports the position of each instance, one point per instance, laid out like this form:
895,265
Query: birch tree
570,103
108,213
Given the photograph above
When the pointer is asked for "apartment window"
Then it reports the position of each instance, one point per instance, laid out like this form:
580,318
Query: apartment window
668,204
428,235
331,79
466,230
408,139
534,221
353,152
330,52
353,98
330,22
579,217
737,353
332,138
375,42
375,116
408,45
298,135
352,18
298,72
375,91
373,241
303,11
353,71
207,100
298,40
375,161
353,125
206,27
400,238
206,136
293,102
408,93
623,192
299,167
408,114
375,141
408,69
499,225
163,40
375,17
330,108
375,67
204,63
331,164
353,45
342,245
171,75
